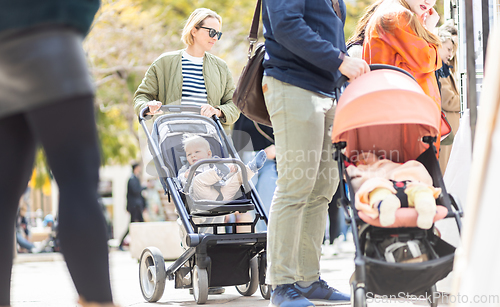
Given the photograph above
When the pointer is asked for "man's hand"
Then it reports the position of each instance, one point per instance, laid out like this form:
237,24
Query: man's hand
353,67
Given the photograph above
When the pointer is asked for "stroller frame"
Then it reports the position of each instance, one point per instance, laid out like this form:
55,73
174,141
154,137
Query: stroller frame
202,263
375,275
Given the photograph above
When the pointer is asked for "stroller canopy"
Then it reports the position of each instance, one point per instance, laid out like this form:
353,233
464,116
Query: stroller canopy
387,113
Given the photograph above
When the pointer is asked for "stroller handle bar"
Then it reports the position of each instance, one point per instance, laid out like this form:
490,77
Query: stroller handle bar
170,109
193,108
343,79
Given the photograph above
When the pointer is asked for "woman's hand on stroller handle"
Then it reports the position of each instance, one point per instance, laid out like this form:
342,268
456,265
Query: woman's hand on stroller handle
209,111
154,107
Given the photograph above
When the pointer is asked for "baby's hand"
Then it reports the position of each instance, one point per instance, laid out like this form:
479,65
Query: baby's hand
186,174
233,168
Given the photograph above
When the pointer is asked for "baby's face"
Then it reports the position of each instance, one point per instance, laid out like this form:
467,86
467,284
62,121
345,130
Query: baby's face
195,153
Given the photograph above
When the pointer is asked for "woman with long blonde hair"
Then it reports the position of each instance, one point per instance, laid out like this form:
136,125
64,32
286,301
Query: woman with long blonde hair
400,33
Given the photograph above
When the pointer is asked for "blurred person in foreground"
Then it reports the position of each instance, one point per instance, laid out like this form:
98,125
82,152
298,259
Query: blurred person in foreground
46,99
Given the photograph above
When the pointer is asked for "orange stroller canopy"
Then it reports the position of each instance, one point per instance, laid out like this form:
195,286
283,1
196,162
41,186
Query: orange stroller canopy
387,113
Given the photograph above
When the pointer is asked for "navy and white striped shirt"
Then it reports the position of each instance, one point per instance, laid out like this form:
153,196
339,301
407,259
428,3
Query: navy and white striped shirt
193,85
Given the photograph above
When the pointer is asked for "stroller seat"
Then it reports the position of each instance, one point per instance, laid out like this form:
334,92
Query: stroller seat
169,133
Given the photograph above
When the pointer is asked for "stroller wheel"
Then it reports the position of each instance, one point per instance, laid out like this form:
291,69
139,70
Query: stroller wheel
359,297
251,287
433,298
200,285
152,274
265,290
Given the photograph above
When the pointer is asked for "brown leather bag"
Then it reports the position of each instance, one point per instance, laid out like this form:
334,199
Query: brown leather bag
248,96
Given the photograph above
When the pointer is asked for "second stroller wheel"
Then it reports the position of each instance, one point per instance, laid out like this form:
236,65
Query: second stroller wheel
359,297
251,287
433,297
152,274
265,290
200,285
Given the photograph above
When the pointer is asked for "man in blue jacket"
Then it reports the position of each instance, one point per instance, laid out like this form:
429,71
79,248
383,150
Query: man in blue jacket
305,55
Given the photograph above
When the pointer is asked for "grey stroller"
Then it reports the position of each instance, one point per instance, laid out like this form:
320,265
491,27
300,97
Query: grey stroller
212,258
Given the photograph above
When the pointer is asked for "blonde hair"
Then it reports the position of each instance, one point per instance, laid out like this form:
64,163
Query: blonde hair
358,36
196,20
194,139
387,22
446,32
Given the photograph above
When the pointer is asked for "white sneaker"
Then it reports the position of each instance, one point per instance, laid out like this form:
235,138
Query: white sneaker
387,208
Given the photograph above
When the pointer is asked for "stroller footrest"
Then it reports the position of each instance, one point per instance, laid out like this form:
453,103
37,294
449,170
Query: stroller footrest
218,208
207,208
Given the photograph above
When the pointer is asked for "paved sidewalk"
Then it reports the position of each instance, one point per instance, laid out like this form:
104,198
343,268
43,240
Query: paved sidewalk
43,281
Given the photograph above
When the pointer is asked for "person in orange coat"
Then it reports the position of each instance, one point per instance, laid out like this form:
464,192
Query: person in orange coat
400,34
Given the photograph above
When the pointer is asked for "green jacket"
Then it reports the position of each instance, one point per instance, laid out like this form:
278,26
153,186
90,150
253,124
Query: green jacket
163,82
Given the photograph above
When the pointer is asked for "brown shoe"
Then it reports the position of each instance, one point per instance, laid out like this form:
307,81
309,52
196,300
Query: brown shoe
84,303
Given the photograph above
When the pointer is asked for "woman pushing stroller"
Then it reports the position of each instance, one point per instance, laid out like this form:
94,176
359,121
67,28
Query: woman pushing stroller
191,75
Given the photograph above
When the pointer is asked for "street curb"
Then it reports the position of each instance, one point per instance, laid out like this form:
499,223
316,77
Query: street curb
41,257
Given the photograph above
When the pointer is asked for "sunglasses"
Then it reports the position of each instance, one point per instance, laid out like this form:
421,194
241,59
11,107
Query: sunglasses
212,32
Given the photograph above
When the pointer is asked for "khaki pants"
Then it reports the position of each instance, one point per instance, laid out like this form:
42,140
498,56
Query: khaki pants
307,178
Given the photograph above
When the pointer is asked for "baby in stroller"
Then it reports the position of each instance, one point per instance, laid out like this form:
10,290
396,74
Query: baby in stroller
213,181
376,182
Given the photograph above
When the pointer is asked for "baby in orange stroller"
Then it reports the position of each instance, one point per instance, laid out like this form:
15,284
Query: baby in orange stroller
376,182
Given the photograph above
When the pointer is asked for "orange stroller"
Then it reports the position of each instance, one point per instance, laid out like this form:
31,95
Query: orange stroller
385,112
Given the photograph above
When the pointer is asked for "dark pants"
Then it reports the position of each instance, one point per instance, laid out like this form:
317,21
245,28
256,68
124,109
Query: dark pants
135,216
333,214
67,132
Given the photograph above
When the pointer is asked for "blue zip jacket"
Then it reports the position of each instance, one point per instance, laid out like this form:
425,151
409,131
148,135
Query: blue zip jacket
304,39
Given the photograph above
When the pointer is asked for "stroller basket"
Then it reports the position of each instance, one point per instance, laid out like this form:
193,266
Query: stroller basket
416,278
